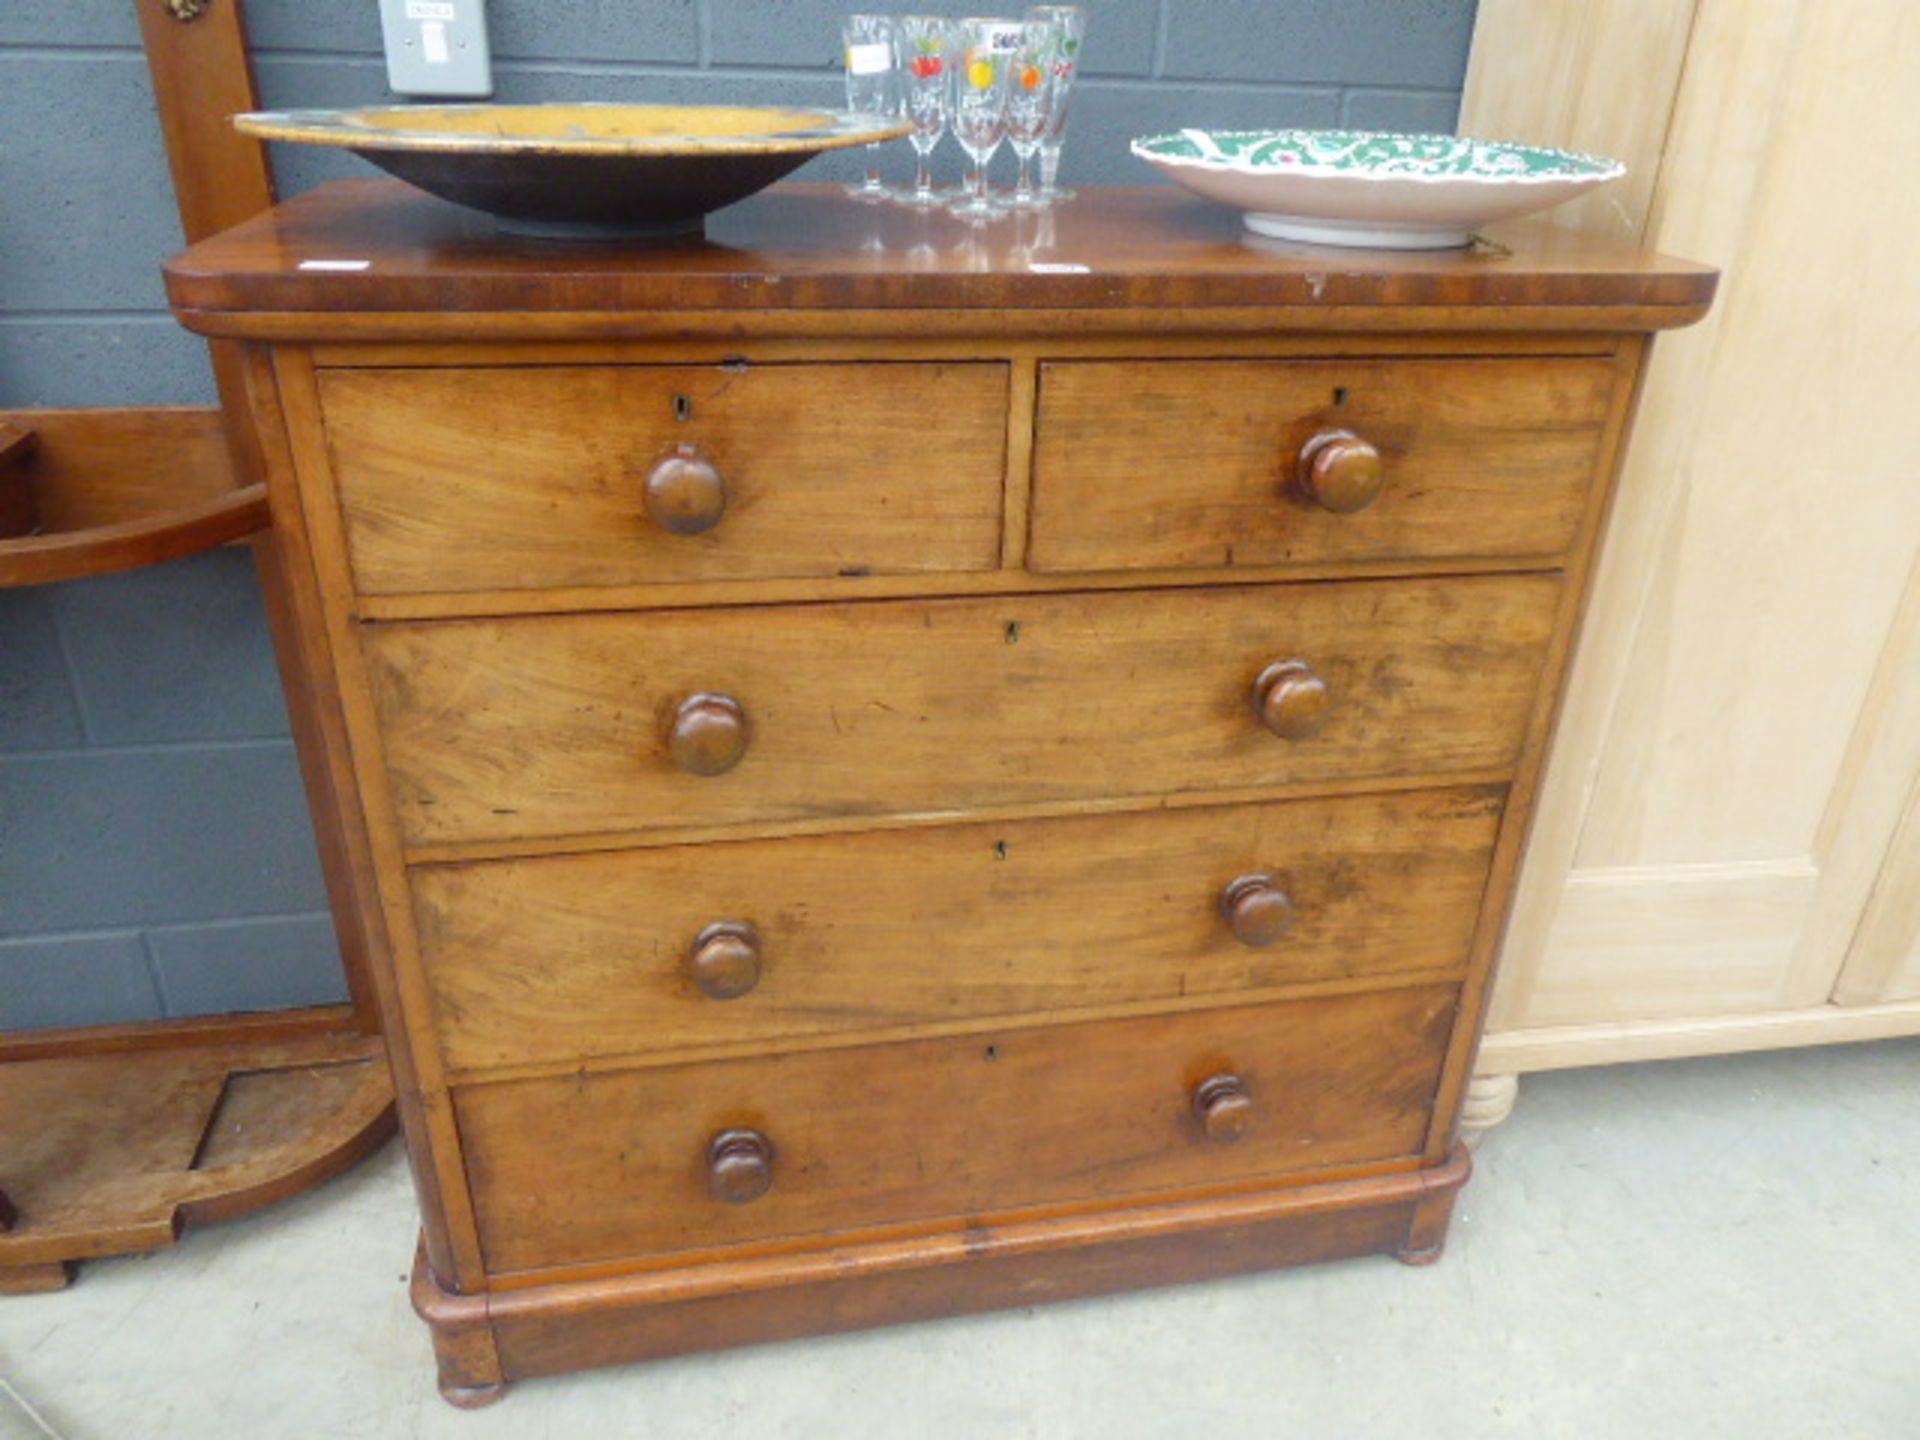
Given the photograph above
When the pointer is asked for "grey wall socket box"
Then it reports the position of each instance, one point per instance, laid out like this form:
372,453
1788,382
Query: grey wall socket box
437,48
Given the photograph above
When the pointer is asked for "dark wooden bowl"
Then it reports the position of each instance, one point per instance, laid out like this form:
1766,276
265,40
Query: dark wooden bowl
582,169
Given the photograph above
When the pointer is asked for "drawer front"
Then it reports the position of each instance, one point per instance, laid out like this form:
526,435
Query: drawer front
542,727
516,479
1476,458
595,1167
564,958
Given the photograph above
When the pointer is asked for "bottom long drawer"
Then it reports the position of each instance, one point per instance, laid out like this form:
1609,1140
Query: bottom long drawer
625,1163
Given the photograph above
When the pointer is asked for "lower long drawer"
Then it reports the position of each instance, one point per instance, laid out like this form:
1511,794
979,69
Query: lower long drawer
599,1167
548,961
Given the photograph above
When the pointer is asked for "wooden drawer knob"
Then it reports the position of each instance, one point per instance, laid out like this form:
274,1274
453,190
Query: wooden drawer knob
1258,910
685,494
739,1166
1339,472
708,734
1224,1108
1291,700
725,959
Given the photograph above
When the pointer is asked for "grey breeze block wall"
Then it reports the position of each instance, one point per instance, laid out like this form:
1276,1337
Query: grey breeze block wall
155,855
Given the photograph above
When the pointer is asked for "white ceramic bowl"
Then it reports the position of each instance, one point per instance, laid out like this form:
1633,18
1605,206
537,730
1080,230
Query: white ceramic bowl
1355,187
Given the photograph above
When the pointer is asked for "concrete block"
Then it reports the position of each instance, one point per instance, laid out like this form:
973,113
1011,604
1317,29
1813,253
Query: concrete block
75,980
176,652
89,212
235,965
110,839
37,709
71,22
1411,112
112,360
1355,42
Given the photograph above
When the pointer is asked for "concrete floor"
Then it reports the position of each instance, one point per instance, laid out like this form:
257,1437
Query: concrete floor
1708,1248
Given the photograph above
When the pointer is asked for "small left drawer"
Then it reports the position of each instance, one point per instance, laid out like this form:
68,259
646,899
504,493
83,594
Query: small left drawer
520,478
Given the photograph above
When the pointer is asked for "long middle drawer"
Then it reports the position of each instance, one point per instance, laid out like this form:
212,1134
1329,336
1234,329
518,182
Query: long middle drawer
564,958
533,728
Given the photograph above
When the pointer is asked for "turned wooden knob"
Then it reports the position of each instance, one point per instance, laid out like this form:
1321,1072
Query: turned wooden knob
725,959
1224,1108
1339,471
739,1166
1291,700
685,494
1257,909
708,734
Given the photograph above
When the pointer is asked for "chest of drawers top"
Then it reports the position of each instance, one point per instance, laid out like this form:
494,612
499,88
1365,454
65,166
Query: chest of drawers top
376,260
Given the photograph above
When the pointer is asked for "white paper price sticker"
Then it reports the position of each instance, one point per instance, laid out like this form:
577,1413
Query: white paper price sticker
430,10
1005,40
872,58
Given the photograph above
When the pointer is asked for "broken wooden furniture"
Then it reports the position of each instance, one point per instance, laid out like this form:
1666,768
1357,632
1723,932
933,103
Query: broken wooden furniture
112,1137
902,768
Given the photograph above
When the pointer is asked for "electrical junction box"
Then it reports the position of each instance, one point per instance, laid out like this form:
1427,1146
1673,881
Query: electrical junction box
437,48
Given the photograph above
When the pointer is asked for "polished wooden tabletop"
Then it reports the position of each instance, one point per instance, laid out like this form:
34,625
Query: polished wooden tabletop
379,246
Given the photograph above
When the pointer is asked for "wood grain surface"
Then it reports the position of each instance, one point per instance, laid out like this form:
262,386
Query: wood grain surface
547,727
526,478
551,961
806,248
1480,458
566,1171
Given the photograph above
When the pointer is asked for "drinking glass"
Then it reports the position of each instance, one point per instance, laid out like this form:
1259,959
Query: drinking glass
1030,95
987,49
924,58
1071,21
868,42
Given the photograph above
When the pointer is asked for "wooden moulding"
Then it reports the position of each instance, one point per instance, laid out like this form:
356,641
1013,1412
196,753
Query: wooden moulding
91,492
484,1341
113,1153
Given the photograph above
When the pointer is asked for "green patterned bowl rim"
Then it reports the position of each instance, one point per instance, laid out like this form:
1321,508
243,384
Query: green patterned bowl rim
785,129
1279,153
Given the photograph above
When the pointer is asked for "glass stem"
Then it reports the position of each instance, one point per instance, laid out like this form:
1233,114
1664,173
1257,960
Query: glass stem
1049,168
873,167
923,176
980,181
1023,187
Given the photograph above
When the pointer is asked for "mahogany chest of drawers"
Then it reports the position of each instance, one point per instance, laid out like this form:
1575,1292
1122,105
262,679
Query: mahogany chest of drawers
894,769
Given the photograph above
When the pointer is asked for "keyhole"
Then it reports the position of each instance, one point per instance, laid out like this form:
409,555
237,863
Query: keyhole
993,1052
1339,395
999,849
1013,632
682,408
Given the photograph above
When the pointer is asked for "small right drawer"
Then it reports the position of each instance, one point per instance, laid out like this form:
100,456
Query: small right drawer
1156,464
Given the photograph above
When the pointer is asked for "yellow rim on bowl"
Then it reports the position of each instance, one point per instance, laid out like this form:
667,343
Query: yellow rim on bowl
576,128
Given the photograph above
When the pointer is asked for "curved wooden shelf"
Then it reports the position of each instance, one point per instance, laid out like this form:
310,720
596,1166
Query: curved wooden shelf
74,555
91,492
113,1154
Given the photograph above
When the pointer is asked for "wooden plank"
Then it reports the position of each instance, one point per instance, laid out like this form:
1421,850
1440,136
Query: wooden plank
558,726
1567,1047
259,1027
563,1174
1583,74
19,515
803,249
106,549
543,961
103,1153
1472,459
522,479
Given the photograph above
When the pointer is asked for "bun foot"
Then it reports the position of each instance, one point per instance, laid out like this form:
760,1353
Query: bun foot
1489,1100
1425,1255
472,1397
